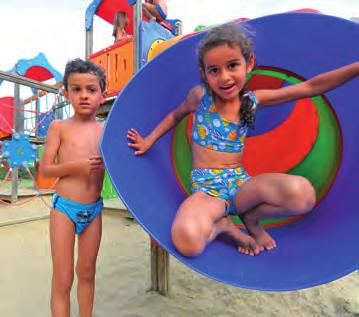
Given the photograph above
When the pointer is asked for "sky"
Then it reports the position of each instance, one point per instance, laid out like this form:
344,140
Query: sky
56,28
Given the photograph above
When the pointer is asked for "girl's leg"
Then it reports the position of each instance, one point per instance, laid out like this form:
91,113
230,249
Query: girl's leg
199,220
62,239
88,246
272,195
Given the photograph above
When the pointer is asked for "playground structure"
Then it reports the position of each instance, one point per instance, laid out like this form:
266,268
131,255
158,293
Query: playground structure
305,254
25,124
122,59
23,128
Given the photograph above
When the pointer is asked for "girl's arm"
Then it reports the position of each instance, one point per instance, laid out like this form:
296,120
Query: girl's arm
49,168
309,88
141,145
150,9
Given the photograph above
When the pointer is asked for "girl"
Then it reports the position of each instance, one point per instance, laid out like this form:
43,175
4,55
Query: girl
223,111
120,23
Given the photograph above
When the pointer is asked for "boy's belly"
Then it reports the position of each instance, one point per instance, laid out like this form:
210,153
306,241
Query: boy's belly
81,189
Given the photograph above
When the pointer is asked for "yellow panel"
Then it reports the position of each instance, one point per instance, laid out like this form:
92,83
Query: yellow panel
159,46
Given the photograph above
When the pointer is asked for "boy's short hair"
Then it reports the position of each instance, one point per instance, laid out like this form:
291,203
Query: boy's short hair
84,67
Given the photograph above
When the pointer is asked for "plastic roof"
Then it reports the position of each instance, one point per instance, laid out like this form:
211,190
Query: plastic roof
107,9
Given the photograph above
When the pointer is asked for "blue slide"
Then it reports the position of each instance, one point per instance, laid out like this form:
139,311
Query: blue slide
316,249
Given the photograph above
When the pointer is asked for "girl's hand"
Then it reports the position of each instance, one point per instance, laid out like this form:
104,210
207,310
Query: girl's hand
140,144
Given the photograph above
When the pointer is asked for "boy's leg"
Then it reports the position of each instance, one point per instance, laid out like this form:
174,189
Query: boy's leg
272,195
62,239
199,220
88,246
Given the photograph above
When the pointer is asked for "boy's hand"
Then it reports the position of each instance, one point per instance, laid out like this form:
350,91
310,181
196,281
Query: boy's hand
88,166
96,163
140,144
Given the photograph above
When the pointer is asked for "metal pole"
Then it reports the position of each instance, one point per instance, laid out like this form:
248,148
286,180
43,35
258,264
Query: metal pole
178,28
60,110
137,20
89,42
27,82
37,109
19,127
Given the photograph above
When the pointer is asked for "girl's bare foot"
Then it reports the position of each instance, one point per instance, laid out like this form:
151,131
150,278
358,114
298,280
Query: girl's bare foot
264,240
246,244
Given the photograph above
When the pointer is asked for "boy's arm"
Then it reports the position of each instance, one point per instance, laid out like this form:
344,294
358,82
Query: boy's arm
309,88
187,106
49,168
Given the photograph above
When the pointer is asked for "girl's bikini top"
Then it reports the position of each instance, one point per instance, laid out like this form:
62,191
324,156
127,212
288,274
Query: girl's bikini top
213,132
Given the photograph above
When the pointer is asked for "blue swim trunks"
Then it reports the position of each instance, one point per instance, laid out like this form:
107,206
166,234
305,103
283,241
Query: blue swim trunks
80,214
219,182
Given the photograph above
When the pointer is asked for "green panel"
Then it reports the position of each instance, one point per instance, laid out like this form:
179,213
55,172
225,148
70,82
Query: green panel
321,164
181,154
108,190
40,151
272,73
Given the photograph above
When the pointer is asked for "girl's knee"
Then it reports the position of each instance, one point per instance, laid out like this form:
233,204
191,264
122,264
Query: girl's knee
302,195
187,238
86,270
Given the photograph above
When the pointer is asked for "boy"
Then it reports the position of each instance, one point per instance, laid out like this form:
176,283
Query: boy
72,154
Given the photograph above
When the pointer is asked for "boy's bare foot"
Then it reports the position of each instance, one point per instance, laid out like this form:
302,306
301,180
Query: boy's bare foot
246,244
262,237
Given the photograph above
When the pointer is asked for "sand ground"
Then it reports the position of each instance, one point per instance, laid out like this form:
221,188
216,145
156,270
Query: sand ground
123,280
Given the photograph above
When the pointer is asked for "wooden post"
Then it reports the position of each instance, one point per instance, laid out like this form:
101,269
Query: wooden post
159,269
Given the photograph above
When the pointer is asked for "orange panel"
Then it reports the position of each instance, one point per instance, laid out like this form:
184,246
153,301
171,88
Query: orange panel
42,182
119,68
117,61
3,135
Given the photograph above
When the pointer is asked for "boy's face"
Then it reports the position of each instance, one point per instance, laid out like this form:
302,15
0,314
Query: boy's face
84,93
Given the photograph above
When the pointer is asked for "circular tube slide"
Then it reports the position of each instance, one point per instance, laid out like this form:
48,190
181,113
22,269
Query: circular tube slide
313,250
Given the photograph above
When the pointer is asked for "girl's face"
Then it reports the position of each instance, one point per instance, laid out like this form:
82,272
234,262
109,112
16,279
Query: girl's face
225,70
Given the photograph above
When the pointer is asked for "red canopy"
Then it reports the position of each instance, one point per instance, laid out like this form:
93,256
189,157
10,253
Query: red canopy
6,115
38,73
108,8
